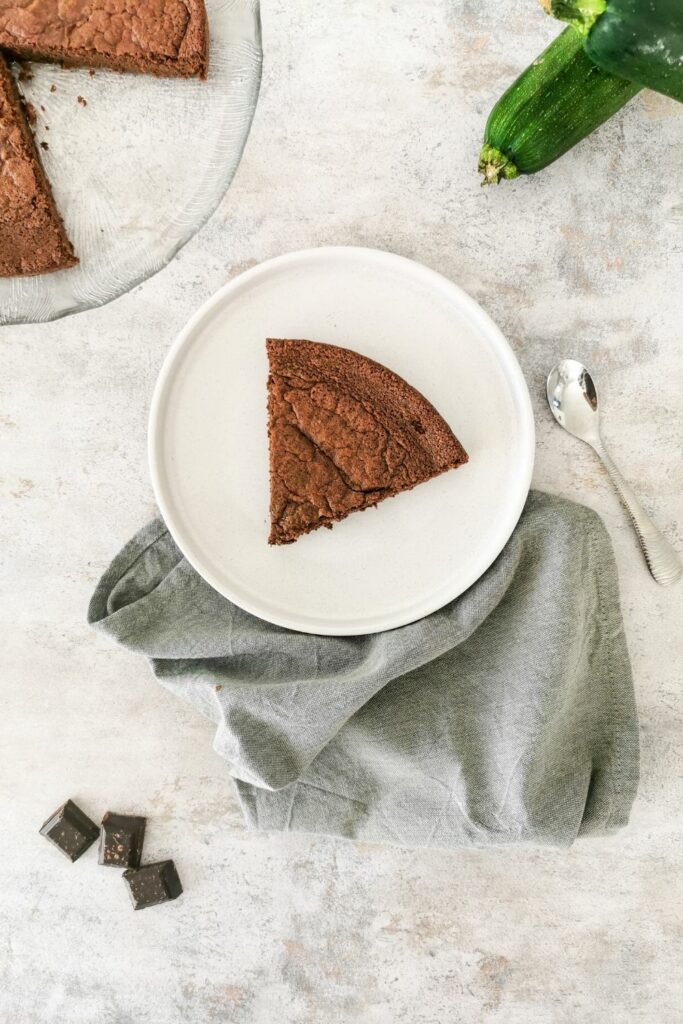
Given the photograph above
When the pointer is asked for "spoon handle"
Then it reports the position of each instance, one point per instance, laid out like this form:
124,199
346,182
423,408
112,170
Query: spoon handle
662,559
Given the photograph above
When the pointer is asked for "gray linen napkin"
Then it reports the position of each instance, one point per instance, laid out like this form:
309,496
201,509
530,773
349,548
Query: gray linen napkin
507,716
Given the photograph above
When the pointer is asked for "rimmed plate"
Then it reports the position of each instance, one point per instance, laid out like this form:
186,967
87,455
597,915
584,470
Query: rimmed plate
208,446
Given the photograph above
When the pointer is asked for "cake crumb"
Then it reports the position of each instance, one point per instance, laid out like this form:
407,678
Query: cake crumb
42,108
31,113
83,103
44,145
25,74
91,72
53,88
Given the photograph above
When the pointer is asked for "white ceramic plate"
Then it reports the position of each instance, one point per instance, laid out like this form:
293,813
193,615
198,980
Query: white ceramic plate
208,444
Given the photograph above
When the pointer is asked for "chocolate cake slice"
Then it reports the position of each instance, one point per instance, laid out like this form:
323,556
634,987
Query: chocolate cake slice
32,236
345,433
158,37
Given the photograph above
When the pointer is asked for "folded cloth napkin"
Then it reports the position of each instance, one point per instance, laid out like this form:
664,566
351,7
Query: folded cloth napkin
507,716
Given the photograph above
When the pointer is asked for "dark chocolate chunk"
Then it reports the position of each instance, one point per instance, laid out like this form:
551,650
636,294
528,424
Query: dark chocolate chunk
121,840
152,884
70,830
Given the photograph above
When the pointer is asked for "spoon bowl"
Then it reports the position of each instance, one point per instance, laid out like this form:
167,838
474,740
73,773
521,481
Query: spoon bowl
573,400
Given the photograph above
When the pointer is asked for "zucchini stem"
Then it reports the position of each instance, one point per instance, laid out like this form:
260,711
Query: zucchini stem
582,14
494,165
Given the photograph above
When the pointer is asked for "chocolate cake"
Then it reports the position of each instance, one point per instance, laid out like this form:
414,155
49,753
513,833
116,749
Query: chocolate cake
345,433
32,236
158,37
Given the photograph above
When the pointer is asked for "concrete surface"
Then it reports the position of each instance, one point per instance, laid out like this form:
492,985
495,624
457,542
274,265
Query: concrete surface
367,133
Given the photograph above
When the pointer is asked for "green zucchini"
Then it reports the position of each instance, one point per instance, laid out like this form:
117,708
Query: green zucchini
579,13
641,40
560,99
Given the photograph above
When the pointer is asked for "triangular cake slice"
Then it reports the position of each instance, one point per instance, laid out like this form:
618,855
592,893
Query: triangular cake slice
32,236
158,37
345,433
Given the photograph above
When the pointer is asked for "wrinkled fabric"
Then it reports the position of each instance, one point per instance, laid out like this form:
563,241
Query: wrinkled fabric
506,716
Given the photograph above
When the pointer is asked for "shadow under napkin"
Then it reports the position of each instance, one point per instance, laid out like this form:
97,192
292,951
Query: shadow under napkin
507,716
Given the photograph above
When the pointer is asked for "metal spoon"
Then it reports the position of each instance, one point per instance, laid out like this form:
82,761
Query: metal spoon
574,403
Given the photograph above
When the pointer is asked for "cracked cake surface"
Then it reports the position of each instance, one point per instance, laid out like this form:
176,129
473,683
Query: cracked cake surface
344,433
159,37
32,236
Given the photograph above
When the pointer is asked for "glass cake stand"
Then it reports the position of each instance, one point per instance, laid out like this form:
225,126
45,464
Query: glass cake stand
137,164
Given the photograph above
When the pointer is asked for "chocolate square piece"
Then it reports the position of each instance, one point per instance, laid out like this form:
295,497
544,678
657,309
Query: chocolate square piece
152,884
121,840
70,830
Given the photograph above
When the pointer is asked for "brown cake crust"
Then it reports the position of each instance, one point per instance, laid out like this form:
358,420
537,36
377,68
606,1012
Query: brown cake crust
345,433
32,236
158,37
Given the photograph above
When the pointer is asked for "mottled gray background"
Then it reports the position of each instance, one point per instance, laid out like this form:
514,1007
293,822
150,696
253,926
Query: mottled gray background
367,133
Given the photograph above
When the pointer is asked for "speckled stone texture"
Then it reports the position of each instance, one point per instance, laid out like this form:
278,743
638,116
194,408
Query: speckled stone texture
367,133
